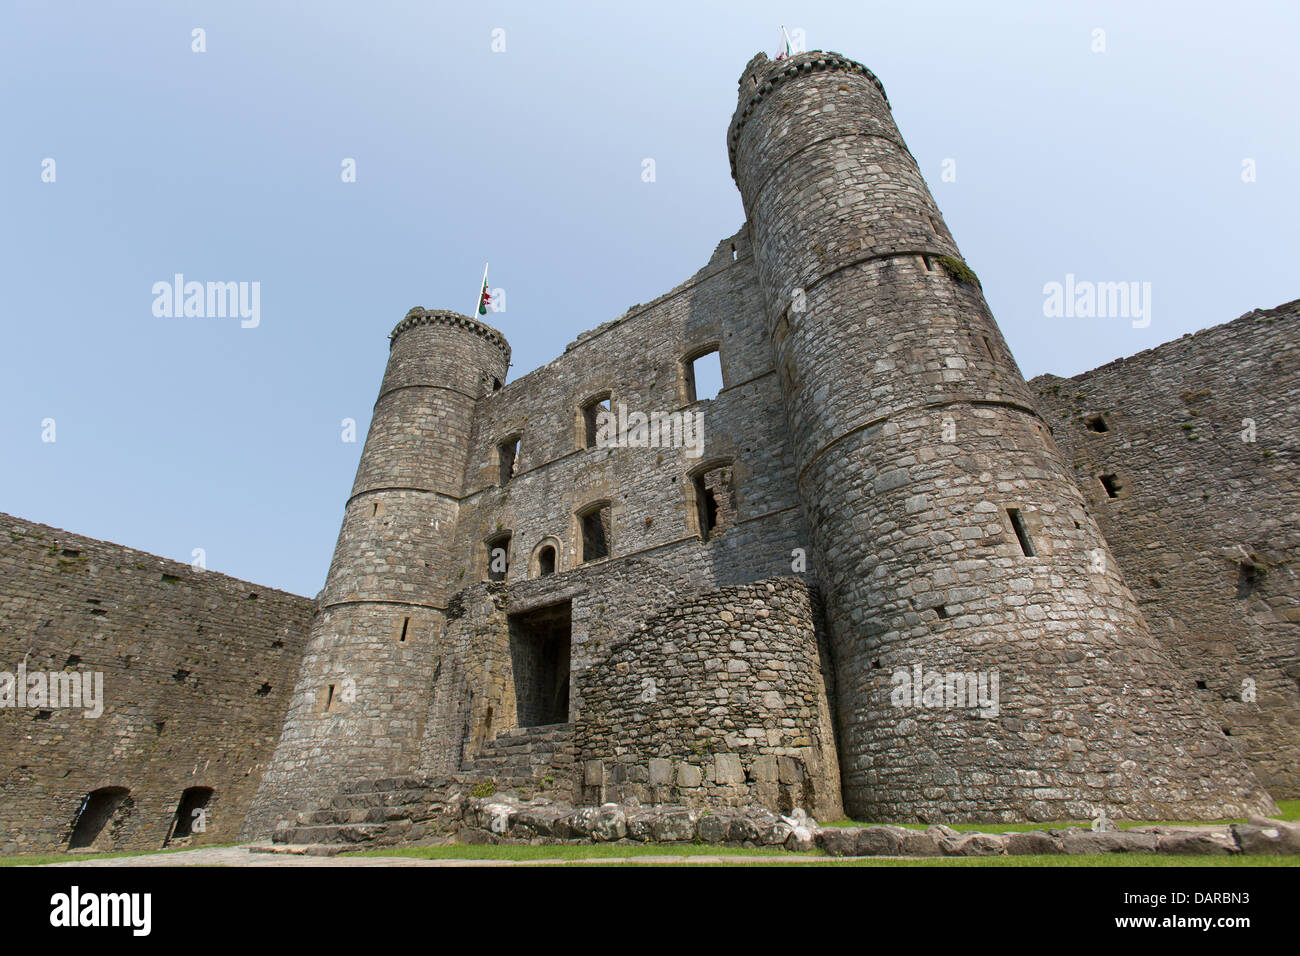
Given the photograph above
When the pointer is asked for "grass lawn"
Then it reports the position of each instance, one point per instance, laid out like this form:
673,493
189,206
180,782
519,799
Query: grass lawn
40,859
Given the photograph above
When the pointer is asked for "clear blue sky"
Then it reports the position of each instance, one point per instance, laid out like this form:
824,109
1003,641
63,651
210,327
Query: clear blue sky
175,434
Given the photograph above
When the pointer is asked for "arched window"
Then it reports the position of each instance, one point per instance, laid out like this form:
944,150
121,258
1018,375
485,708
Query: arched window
191,814
589,415
97,809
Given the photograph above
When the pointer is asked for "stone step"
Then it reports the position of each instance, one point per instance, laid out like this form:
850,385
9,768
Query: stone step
293,849
538,731
331,833
367,814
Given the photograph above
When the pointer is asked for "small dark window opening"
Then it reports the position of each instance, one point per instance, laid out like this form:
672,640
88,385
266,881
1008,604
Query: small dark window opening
1111,484
1200,685
264,690
1249,577
96,810
988,347
1096,423
546,562
192,808
329,697
928,266
496,384
507,452
942,611
703,375
596,534
498,556
591,419
44,714
406,623
1022,533
734,255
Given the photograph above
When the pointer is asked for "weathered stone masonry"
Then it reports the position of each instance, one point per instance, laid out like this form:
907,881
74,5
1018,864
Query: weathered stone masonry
1200,436
197,669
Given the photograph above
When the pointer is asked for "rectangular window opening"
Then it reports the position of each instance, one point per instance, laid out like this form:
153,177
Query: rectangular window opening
596,534
715,502
1096,423
591,413
498,557
406,623
1022,533
1111,484
703,377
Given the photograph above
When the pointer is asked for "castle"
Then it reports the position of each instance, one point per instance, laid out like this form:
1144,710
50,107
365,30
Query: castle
891,579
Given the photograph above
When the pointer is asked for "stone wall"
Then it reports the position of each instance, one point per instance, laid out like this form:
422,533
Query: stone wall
720,700
197,669
1206,525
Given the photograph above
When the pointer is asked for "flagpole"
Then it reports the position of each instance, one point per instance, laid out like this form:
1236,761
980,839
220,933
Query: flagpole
479,301
787,40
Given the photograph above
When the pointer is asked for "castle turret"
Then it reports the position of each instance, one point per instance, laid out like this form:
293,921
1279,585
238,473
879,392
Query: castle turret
363,688
948,535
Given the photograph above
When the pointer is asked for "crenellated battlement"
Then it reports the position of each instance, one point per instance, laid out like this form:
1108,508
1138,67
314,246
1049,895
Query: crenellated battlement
762,76
419,315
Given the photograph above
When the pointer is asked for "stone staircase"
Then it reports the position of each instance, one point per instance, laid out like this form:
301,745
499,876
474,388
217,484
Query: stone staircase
527,756
393,810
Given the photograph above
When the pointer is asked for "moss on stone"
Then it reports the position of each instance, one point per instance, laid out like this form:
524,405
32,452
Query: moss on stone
958,270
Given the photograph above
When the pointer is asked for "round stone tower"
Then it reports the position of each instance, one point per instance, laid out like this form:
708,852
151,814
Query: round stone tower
990,662
363,688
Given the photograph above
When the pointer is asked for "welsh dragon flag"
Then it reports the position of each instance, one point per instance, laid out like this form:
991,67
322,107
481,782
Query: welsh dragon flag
484,294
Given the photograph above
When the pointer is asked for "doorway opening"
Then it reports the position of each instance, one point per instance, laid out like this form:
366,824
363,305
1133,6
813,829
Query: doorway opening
539,655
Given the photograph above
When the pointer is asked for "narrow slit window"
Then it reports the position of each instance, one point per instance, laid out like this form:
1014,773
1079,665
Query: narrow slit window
988,347
406,623
1022,533
507,452
329,697
703,375
1111,484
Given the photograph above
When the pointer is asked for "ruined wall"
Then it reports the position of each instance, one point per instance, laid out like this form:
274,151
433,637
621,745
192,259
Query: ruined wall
638,361
719,700
1206,526
197,670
